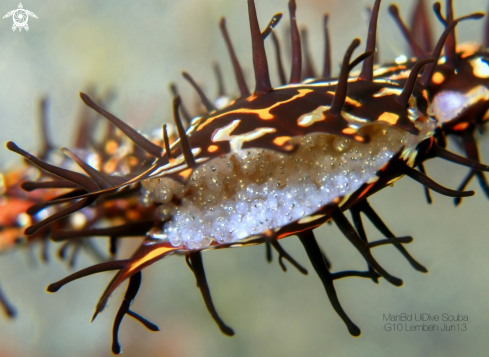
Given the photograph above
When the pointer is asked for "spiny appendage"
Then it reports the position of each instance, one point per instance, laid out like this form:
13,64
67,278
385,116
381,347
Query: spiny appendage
471,150
187,118
48,181
315,256
5,304
238,72
132,290
123,212
260,64
308,70
46,142
440,98
358,237
365,208
447,39
158,248
461,121
197,267
278,59
132,269
77,244
80,184
114,233
364,247
205,101
96,182
421,27
430,149
359,240
367,72
91,183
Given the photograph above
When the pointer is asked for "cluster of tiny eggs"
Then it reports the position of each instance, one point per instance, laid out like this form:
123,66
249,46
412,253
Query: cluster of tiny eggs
246,193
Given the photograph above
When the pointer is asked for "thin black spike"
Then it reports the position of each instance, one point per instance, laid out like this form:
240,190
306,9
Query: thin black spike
184,142
99,268
260,65
295,38
426,189
403,98
439,15
113,245
166,142
421,26
341,89
418,52
360,59
350,233
102,181
367,73
309,71
75,177
74,255
315,256
271,25
238,72
327,49
187,260
396,240
149,325
469,145
134,229
463,185
221,91
450,42
90,247
278,55
132,134
268,252
357,221
131,292
82,203
207,103
30,186
428,72
62,250
45,246
187,118
283,254
426,181
483,182
326,259
359,274
32,210
438,151
7,307
86,126
46,142
198,270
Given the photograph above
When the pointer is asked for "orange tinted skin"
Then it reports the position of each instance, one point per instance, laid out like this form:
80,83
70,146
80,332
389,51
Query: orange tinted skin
15,202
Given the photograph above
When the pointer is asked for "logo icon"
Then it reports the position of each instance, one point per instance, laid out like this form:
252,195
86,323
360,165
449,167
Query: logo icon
20,17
